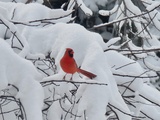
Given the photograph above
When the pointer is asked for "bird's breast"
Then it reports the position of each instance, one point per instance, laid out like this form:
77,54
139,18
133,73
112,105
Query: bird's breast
68,65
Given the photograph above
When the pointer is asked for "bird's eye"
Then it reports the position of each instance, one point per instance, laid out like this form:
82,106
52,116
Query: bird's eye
70,52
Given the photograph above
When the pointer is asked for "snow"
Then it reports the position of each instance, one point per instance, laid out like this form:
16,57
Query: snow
154,13
86,10
30,91
22,1
113,41
132,7
32,17
93,4
84,57
13,29
110,12
45,95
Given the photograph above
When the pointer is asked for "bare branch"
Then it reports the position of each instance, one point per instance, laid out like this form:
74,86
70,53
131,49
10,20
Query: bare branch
73,82
133,116
126,75
134,51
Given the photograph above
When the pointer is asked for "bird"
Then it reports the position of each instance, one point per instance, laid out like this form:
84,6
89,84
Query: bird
69,66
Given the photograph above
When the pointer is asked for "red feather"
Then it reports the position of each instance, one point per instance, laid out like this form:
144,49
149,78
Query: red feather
68,65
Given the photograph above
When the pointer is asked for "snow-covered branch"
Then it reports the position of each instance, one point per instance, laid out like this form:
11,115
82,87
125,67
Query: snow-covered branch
32,85
125,18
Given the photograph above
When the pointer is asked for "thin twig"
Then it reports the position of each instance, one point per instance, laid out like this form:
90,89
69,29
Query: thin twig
124,111
65,81
133,76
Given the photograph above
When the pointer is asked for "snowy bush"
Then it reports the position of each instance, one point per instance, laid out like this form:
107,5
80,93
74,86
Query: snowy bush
34,39
138,28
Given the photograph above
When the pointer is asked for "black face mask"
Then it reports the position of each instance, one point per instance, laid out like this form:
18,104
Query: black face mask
70,52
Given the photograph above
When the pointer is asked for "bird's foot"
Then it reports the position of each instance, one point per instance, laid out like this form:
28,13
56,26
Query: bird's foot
71,77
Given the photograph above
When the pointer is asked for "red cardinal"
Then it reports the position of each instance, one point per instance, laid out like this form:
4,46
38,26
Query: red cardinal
68,65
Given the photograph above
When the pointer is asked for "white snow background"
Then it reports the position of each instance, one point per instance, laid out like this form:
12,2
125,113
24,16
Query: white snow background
33,37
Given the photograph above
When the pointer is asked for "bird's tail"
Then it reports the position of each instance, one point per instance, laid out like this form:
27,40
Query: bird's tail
86,73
